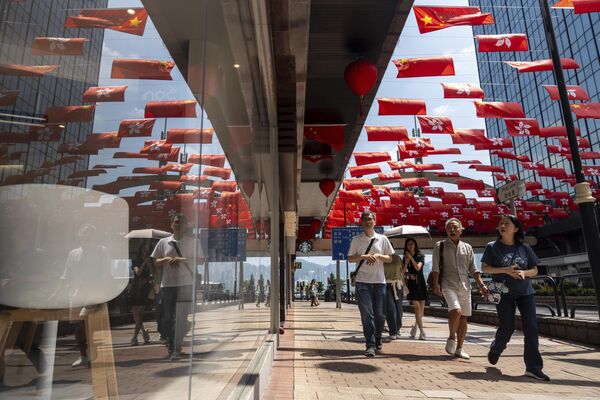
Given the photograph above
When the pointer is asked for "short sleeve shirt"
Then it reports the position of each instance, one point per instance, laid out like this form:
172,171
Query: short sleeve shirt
498,254
371,273
459,263
179,274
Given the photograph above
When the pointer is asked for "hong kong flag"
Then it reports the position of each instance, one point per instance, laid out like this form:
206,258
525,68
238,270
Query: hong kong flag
170,109
9,97
136,127
505,177
574,92
522,126
495,144
583,143
70,114
430,19
371,157
213,160
363,170
404,154
356,184
433,191
58,46
389,106
141,69
470,184
149,170
501,43
386,133
26,70
469,136
417,143
486,168
419,67
586,155
487,193
511,156
389,176
155,147
586,110
427,167
532,166
106,140
591,170
397,165
190,135
127,20
541,65
223,173
449,174
440,125
181,168
332,135
97,94
498,109
462,91
556,131
172,156
414,182
558,173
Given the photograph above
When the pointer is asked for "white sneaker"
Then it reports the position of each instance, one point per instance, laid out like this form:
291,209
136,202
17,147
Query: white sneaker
83,360
451,346
422,336
460,353
394,337
413,331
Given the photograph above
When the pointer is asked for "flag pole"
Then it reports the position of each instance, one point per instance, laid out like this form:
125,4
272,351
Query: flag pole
583,193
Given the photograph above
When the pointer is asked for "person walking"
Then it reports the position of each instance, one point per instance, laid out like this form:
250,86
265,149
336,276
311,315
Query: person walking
369,250
312,293
512,263
140,289
453,262
416,284
394,283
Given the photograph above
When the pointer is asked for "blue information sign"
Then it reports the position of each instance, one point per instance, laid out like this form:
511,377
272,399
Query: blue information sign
341,238
224,245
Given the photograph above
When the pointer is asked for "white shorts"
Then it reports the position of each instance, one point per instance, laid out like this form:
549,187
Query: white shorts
458,300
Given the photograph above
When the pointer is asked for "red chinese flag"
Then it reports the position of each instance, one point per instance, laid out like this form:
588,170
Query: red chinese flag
363,170
430,19
541,65
559,173
454,198
429,66
70,114
170,109
444,151
332,135
386,133
187,135
223,173
371,157
9,97
470,184
574,92
26,70
522,126
389,106
389,176
402,198
486,168
433,191
104,94
213,160
414,182
586,6
141,69
353,196
126,154
557,131
498,109
155,147
495,144
586,110
462,91
427,167
357,184
136,127
469,136
440,125
127,20
496,43
583,143
58,46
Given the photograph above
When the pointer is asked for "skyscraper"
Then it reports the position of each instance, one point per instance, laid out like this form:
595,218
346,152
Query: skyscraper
22,22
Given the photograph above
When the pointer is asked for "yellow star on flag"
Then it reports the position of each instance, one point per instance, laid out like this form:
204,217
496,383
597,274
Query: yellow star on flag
135,21
427,20
574,105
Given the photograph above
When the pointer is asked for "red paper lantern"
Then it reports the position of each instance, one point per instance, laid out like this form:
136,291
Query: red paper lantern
360,76
327,186
316,225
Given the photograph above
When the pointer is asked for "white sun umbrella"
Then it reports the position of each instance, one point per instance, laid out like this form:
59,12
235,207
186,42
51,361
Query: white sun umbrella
406,230
147,234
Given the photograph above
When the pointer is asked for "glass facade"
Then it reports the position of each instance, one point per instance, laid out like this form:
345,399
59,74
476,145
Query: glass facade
134,200
577,38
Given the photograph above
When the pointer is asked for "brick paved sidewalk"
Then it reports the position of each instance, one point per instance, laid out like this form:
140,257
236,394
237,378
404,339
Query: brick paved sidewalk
328,363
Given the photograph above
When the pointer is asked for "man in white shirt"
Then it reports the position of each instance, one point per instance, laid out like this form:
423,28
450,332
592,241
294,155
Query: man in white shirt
370,279
175,255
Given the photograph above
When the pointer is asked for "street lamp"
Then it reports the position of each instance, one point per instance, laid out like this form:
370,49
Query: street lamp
583,193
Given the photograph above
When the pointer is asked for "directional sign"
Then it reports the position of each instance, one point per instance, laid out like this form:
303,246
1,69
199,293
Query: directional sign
341,238
224,245
511,191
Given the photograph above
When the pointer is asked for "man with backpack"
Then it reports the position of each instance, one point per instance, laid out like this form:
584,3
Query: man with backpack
453,262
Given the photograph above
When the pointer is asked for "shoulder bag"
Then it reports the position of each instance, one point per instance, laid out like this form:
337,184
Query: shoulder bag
355,272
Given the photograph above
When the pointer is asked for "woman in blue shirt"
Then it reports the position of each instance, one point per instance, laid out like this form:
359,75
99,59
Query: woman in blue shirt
512,262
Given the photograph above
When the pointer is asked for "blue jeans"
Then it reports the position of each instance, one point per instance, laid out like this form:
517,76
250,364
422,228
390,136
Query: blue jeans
506,312
394,309
370,298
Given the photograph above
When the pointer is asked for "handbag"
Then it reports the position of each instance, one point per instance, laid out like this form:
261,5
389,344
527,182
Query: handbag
497,288
355,272
441,267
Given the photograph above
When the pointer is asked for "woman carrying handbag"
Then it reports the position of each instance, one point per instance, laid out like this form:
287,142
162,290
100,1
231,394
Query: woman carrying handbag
511,263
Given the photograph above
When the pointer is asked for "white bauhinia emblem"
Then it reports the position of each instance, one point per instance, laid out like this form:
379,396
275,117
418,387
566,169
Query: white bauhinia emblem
403,215
228,221
470,202
505,41
421,202
432,222
455,210
444,214
571,93
413,153
371,201
497,141
45,134
104,92
523,128
464,89
436,125
592,171
526,216
58,43
380,191
486,193
394,221
434,190
564,202
160,205
136,219
470,222
486,215
356,219
213,203
410,209
171,213
563,149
